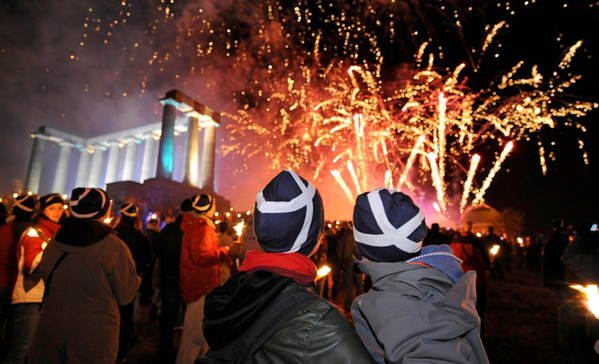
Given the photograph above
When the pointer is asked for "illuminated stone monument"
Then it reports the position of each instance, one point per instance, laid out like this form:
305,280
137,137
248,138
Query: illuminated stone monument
104,158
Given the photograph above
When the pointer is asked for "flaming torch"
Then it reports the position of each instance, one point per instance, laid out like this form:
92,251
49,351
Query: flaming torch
591,293
322,272
494,250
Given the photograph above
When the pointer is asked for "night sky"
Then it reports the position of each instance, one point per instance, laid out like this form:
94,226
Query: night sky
100,78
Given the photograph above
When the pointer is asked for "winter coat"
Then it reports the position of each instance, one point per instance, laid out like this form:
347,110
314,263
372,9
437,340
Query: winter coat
200,257
79,320
139,245
29,288
553,269
474,256
416,314
317,333
168,249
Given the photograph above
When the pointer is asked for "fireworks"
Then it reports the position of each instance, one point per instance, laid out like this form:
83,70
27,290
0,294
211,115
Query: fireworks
317,94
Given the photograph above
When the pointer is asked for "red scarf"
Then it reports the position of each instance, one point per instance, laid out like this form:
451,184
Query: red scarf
293,265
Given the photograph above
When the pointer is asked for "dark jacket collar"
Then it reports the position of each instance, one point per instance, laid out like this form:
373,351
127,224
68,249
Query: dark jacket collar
82,232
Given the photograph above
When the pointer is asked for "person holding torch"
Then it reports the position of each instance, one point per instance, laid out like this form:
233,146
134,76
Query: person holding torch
200,258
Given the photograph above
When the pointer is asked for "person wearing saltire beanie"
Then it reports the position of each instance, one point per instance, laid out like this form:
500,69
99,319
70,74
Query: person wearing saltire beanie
29,288
200,258
288,223
83,256
422,307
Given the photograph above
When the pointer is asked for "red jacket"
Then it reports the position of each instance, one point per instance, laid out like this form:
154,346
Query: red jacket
30,288
473,254
200,257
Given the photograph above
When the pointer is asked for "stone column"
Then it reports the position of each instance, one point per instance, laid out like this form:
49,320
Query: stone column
207,176
34,170
95,173
149,159
112,166
166,151
130,159
62,168
190,165
83,168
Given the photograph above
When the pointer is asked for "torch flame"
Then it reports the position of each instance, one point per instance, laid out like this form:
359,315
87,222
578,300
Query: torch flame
239,228
323,271
494,249
591,293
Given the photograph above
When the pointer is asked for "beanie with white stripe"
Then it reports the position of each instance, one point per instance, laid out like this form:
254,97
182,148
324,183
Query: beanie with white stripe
388,226
288,215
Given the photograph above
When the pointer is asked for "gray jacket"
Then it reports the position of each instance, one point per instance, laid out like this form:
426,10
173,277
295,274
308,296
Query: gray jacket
416,314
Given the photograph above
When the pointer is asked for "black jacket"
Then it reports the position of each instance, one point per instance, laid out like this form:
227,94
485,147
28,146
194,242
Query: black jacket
318,333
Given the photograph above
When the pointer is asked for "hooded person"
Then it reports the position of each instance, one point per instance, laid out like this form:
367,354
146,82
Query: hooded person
88,272
198,275
288,223
422,307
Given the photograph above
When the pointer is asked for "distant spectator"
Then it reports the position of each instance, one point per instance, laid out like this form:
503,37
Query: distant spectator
435,236
534,254
168,258
128,229
332,261
499,258
224,239
553,268
352,276
147,293
554,277
474,255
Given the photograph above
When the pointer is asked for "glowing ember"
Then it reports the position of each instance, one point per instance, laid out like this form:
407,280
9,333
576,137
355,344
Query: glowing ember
591,292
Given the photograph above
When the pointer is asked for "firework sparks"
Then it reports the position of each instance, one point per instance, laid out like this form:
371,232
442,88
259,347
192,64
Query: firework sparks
468,184
309,81
496,167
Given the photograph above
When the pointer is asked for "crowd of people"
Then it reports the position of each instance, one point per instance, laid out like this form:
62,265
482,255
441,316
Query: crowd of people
71,279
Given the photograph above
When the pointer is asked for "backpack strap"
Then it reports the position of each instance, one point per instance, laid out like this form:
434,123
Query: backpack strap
285,306
49,280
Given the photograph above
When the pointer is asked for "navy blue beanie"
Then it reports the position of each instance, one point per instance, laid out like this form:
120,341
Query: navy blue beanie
288,215
202,203
50,199
129,209
388,226
89,203
24,205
